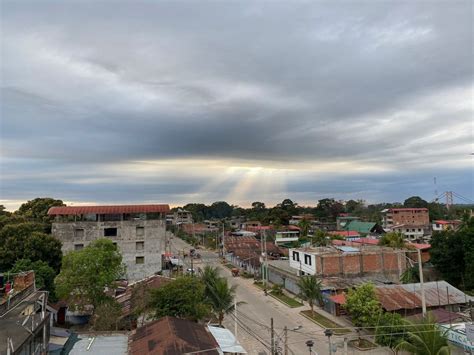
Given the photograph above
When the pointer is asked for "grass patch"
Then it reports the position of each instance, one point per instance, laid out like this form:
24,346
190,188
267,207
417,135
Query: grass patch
362,344
259,284
290,302
229,266
325,322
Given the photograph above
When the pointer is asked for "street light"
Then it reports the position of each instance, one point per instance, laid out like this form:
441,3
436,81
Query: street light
329,333
309,344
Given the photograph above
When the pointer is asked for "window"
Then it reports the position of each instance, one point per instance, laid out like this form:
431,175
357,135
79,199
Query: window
140,246
140,231
296,256
79,233
78,246
419,229
307,259
110,232
140,260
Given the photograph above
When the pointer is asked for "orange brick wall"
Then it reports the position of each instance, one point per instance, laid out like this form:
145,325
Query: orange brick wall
331,265
372,263
351,264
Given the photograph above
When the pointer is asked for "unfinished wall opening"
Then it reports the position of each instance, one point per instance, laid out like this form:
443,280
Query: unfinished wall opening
110,232
140,246
78,246
79,233
140,232
140,260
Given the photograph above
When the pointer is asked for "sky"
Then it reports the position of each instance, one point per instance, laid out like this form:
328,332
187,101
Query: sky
106,102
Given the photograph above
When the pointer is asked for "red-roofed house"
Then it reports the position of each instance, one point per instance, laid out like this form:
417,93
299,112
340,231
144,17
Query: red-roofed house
442,225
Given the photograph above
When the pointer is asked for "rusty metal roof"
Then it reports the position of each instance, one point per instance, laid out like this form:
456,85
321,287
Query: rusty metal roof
408,296
116,209
170,336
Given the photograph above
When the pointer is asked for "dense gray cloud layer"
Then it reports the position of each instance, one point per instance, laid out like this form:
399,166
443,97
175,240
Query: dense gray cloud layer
88,88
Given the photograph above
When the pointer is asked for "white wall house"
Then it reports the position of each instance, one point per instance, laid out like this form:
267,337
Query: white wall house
286,236
304,262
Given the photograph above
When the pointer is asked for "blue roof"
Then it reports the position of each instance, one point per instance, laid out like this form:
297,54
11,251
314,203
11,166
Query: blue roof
346,249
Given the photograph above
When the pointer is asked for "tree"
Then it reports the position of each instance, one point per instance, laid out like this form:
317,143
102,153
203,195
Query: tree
209,275
220,209
37,209
415,202
181,298
27,241
86,273
304,225
363,306
221,298
44,274
107,316
392,240
320,238
310,290
391,330
425,338
258,206
410,275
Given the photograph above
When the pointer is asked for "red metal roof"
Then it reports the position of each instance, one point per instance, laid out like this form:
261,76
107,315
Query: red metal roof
116,209
366,241
345,233
339,299
420,246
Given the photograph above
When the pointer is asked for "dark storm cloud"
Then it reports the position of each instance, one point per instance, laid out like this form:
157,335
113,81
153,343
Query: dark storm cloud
89,83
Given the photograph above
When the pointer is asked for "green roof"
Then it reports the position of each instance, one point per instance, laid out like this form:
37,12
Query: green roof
361,227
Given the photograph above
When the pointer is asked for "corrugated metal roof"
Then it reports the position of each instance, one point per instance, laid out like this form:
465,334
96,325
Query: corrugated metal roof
170,335
408,296
361,227
101,344
116,209
346,249
226,340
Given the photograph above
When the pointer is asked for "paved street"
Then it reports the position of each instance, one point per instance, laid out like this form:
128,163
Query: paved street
253,317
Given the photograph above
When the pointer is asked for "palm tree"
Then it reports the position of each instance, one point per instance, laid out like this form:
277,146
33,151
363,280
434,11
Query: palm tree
393,240
410,275
221,298
425,338
320,238
310,290
304,225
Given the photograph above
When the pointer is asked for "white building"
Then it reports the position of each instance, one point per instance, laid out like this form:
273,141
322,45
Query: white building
286,236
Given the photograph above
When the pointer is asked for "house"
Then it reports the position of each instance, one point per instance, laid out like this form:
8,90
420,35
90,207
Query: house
286,236
169,336
443,225
343,220
412,232
295,220
180,216
212,223
24,321
139,231
348,261
364,228
405,299
405,216
252,224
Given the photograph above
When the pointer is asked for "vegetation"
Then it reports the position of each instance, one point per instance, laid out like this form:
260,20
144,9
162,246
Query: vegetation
391,330
458,246
363,306
310,290
86,273
44,274
392,240
107,316
320,238
220,297
326,322
425,338
183,297
410,275
279,295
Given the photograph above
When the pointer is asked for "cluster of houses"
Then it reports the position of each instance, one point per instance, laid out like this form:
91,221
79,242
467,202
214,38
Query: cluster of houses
29,324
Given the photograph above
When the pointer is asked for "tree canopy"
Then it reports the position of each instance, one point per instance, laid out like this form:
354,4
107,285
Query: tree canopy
363,306
86,273
310,290
181,298
27,241
392,240
44,274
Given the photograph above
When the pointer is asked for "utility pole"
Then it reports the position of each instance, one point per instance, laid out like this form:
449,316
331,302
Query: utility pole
265,268
235,317
285,332
422,285
272,332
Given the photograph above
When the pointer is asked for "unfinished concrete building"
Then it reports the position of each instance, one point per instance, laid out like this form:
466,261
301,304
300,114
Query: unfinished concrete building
139,231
